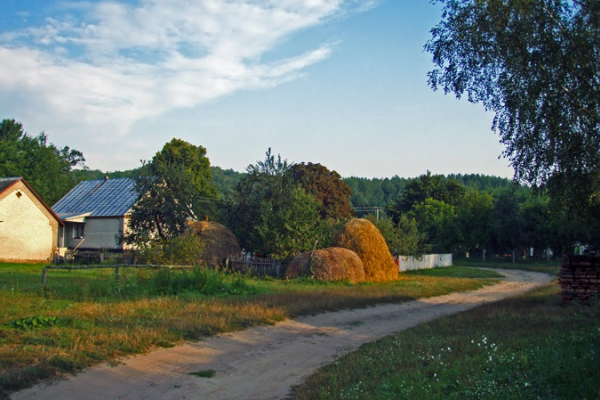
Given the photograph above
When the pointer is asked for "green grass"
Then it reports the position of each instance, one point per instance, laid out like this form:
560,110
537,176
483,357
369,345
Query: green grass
83,317
551,268
456,272
528,347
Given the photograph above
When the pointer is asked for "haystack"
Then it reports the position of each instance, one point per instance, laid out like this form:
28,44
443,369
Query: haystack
332,264
219,243
362,237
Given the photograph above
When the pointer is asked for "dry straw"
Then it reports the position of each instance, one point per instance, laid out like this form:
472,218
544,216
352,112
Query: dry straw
219,243
362,237
331,264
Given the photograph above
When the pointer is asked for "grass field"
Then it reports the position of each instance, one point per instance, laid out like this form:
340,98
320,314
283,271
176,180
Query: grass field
528,347
83,317
551,268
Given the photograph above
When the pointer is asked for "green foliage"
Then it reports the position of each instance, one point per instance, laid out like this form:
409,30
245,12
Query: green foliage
274,215
86,174
175,187
535,64
197,281
375,192
44,166
181,250
402,238
225,181
327,187
37,321
436,221
435,187
193,161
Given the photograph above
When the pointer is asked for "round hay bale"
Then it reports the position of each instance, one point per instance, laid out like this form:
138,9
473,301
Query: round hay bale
331,264
362,237
219,243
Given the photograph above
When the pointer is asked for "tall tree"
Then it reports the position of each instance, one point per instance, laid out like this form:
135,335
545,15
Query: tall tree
46,167
536,65
327,187
427,186
175,187
274,215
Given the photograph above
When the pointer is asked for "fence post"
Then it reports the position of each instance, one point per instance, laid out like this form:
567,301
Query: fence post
44,275
117,274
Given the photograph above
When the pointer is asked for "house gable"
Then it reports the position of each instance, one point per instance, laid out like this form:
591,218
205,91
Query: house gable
28,227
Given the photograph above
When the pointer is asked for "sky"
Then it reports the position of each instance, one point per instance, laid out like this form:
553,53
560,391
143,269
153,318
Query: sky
342,83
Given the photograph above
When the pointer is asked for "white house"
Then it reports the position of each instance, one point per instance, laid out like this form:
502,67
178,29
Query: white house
95,213
29,229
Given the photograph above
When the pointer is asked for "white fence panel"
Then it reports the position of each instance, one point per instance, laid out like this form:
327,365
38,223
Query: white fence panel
426,261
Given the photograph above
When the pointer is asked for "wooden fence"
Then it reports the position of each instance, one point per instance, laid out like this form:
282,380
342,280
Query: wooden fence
257,266
426,261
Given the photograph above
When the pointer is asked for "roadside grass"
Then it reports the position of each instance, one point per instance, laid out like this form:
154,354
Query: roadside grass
83,317
551,268
527,347
456,272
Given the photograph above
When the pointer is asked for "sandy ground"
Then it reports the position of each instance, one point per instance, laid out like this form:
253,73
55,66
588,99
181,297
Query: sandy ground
265,362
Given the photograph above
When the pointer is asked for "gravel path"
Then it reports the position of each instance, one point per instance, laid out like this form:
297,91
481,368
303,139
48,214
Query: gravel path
265,362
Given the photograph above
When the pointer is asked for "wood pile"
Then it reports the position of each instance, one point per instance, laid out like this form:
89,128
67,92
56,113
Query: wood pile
579,278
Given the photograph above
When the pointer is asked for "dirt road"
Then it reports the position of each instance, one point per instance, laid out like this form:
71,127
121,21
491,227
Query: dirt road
265,362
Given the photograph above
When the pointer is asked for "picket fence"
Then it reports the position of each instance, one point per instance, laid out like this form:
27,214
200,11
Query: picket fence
426,261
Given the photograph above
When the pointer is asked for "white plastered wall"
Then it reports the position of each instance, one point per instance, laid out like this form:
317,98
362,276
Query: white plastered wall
26,233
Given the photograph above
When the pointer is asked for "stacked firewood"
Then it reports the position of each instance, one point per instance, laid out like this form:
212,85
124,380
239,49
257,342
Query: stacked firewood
579,278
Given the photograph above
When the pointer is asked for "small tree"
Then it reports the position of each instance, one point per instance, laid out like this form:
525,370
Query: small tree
403,238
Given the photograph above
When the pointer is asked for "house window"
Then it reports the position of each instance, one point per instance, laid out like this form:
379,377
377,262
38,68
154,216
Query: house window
19,194
78,231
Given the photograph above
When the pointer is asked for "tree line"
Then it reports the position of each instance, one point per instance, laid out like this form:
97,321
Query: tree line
278,208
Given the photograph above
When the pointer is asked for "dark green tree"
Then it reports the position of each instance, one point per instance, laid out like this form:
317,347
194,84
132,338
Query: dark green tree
175,187
436,219
274,215
508,223
327,187
473,223
435,187
44,166
403,238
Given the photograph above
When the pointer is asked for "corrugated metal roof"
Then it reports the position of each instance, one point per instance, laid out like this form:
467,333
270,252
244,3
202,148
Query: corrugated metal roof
101,198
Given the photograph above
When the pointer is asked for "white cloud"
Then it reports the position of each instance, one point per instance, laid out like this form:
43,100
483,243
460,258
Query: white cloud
119,63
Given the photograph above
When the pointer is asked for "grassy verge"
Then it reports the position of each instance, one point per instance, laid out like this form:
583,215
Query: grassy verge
456,272
551,268
84,317
528,347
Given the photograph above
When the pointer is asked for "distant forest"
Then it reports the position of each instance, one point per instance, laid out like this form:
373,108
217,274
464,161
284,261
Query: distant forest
374,192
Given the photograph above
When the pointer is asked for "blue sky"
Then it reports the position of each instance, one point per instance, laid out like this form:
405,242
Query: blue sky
338,82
